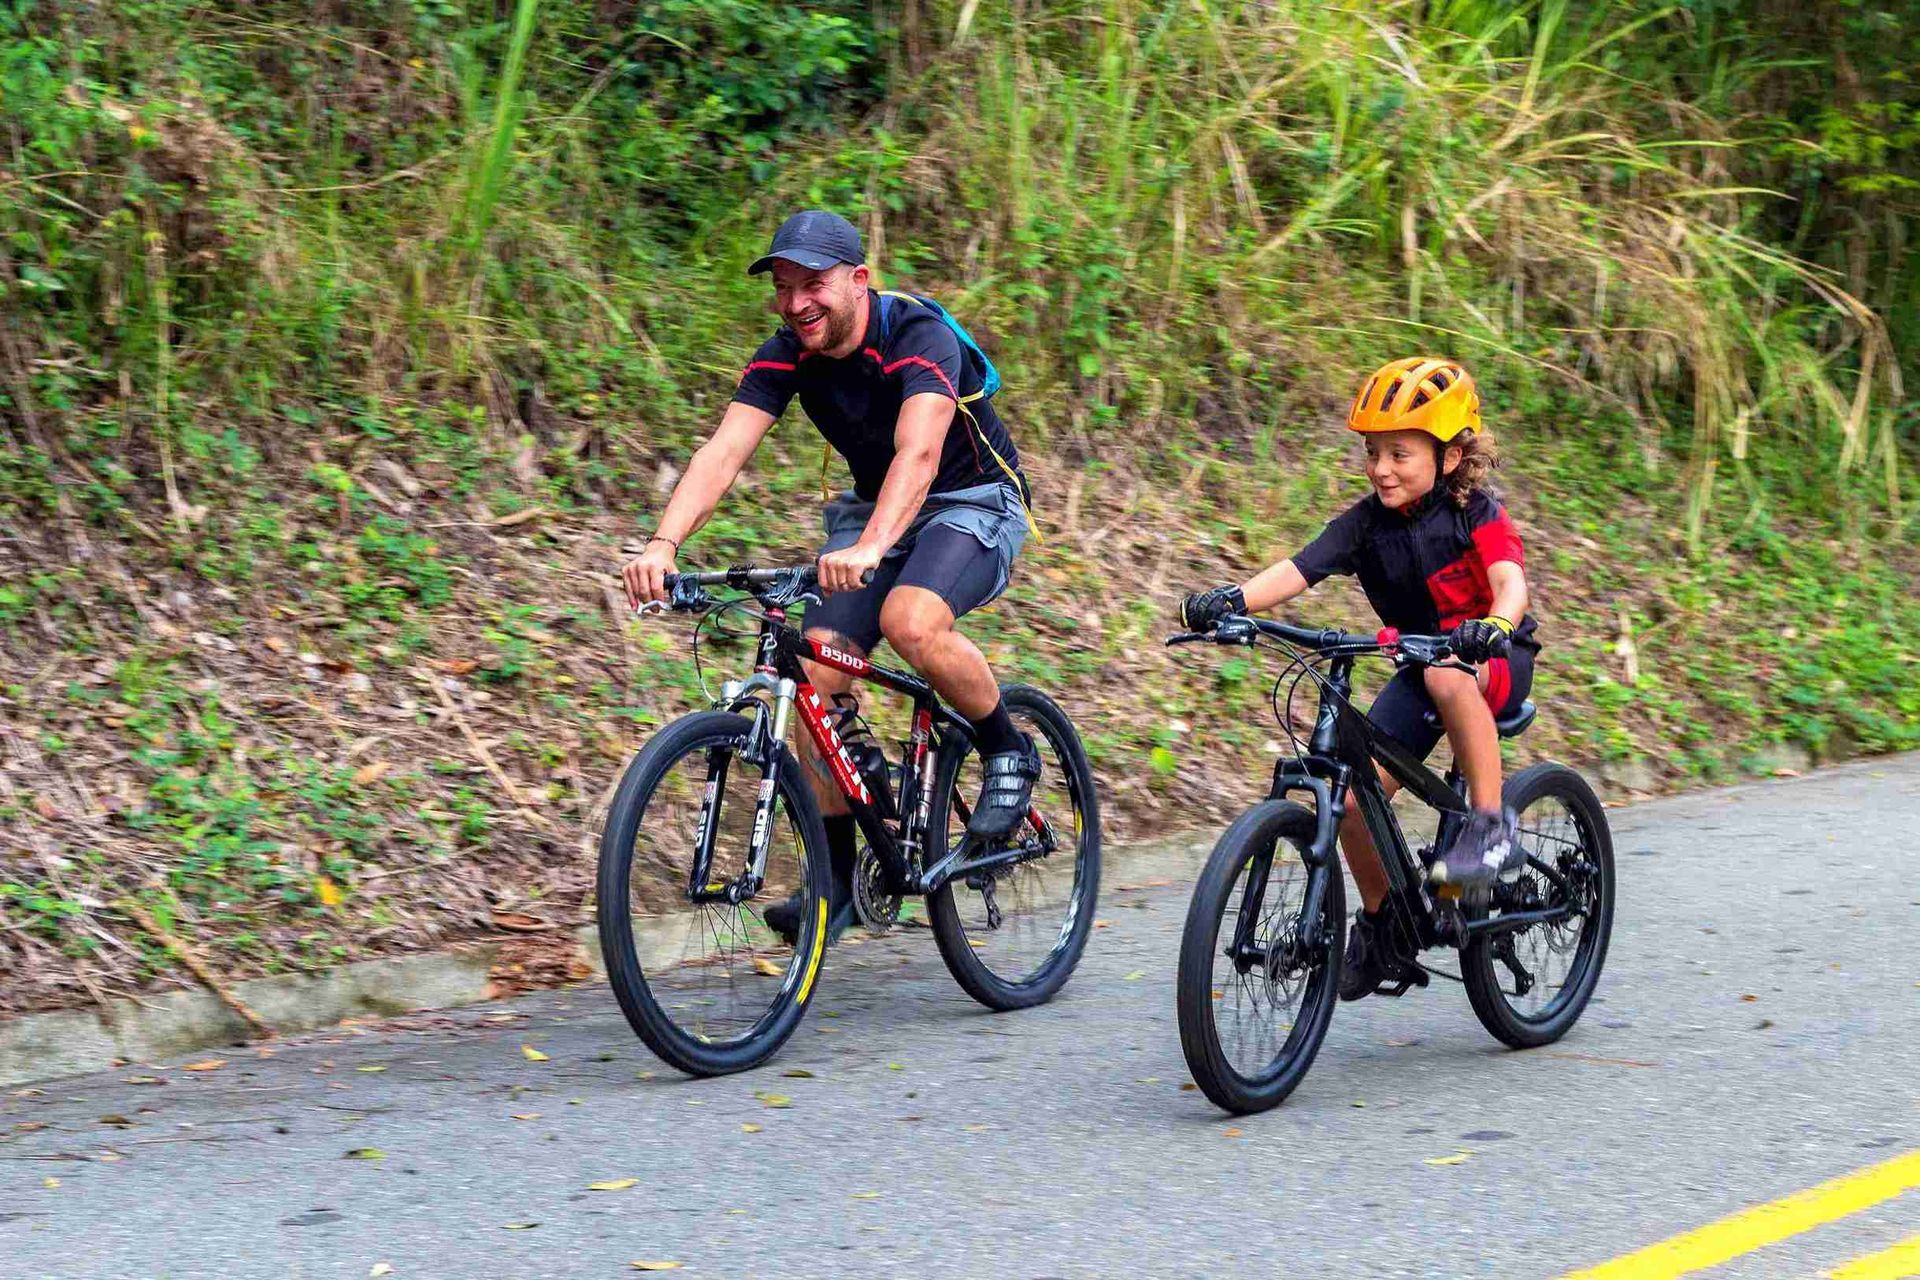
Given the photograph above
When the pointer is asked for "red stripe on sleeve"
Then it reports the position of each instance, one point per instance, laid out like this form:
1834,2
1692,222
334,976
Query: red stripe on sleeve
922,360
1498,540
765,364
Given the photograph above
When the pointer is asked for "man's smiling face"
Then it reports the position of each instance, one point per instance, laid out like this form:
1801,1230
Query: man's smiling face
821,307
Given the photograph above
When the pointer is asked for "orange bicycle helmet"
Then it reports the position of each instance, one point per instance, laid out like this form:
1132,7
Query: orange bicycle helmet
1422,393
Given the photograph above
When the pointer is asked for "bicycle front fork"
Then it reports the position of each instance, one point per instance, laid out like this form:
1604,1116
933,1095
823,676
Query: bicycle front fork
765,746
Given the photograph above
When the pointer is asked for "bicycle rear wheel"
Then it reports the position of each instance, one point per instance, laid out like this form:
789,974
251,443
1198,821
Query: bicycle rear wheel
1530,986
1011,937
1250,1027
707,985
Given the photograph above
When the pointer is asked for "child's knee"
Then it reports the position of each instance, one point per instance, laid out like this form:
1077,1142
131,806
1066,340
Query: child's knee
1446,684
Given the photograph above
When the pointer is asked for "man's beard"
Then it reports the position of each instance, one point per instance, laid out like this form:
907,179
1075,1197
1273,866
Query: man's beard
837,329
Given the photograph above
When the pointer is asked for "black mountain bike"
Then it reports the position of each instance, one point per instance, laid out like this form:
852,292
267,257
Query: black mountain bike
1261,956
714,821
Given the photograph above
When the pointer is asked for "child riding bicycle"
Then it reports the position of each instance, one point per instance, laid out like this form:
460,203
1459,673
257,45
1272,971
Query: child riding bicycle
1434,552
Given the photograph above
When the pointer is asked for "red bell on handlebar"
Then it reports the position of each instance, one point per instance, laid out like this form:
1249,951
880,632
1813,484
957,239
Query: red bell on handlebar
1387,637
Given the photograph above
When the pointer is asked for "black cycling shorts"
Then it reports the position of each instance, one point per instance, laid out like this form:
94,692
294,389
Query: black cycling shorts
951,563
1403,706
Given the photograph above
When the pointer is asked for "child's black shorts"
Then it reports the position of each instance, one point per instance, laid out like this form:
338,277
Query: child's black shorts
1402,707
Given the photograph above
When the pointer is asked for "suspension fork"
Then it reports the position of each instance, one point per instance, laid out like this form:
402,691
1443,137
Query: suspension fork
765,746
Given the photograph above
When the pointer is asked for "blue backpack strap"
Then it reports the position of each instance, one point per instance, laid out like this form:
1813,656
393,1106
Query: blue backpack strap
989,383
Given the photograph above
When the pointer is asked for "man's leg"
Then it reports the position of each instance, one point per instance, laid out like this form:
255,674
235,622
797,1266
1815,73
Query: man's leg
948,573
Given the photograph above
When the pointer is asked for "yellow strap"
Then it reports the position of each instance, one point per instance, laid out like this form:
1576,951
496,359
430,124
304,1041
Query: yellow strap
1013,477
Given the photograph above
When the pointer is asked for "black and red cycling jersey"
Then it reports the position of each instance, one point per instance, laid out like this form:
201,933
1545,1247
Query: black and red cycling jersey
1424,570
855,402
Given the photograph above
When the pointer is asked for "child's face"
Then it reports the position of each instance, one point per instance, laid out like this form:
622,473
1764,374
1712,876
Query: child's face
1403,466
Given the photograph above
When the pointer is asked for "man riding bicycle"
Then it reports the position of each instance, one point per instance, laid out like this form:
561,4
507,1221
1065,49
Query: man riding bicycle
936,514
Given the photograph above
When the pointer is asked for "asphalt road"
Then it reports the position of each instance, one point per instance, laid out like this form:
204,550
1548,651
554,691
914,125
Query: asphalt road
1757,1032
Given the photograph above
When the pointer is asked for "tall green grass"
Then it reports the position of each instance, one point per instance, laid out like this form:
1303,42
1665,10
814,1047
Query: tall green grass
1209,181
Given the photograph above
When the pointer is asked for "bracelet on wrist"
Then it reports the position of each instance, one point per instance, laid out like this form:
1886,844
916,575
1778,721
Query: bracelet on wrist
661,537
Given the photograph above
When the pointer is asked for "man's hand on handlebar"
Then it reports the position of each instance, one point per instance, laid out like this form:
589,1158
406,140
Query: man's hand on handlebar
850,568
645,577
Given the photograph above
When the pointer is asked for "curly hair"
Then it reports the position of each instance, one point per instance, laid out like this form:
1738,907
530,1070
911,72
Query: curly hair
1478,457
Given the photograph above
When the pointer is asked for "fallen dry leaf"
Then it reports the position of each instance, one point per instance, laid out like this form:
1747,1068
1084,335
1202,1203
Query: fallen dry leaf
380,1269
527,1115
371,1070
211,1064
866,1195
369,774
973,1128
798,1073
775,1100
1188,1086
518,1226
457,666
329,893
618,1184
1103,924
657,1266
894,1066
749,1128
50,1183
1231,1133
1748,999
1458,1157
146,1080
366,1153
1135,976
533,1054
766,968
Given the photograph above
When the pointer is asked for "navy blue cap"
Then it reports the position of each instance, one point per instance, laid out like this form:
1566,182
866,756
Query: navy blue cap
816,240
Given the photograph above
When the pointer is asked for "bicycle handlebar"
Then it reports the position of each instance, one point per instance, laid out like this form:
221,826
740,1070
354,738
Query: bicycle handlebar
784,586
1240,629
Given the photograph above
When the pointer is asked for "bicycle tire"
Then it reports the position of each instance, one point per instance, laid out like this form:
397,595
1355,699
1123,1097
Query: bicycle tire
1478,959
969,967
1263,827
700,732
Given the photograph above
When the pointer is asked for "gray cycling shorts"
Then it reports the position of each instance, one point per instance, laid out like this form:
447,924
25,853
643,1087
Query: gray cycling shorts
960,547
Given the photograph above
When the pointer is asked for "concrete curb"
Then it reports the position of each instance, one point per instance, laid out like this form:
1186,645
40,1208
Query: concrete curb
44,1046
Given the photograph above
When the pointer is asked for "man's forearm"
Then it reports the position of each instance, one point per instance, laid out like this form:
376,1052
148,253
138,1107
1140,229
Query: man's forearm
707,480
901,496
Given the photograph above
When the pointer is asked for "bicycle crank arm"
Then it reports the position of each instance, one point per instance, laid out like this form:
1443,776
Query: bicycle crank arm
1514,921
961,862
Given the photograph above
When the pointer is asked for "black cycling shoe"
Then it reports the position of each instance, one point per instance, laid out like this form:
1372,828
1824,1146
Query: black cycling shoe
784,917
1484,850
1007,793
1367,964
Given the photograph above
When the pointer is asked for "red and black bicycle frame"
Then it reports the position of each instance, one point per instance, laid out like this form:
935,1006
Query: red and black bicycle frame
779,684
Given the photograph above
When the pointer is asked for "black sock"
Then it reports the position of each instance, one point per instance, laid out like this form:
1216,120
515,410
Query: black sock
994,732
841,850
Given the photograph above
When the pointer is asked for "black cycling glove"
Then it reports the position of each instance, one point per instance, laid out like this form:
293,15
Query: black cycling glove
1204,610
1478,639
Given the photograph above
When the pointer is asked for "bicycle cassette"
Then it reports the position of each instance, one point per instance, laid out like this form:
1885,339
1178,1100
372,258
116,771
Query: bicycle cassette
877,909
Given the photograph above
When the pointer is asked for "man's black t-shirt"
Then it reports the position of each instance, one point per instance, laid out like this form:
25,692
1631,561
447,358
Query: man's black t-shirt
855,402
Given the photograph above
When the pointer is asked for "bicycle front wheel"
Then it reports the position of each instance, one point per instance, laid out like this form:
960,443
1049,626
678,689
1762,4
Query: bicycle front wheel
1257,981
706,984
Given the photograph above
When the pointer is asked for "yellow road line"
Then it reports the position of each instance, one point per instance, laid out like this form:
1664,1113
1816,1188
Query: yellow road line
1762,1225
1898,1263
